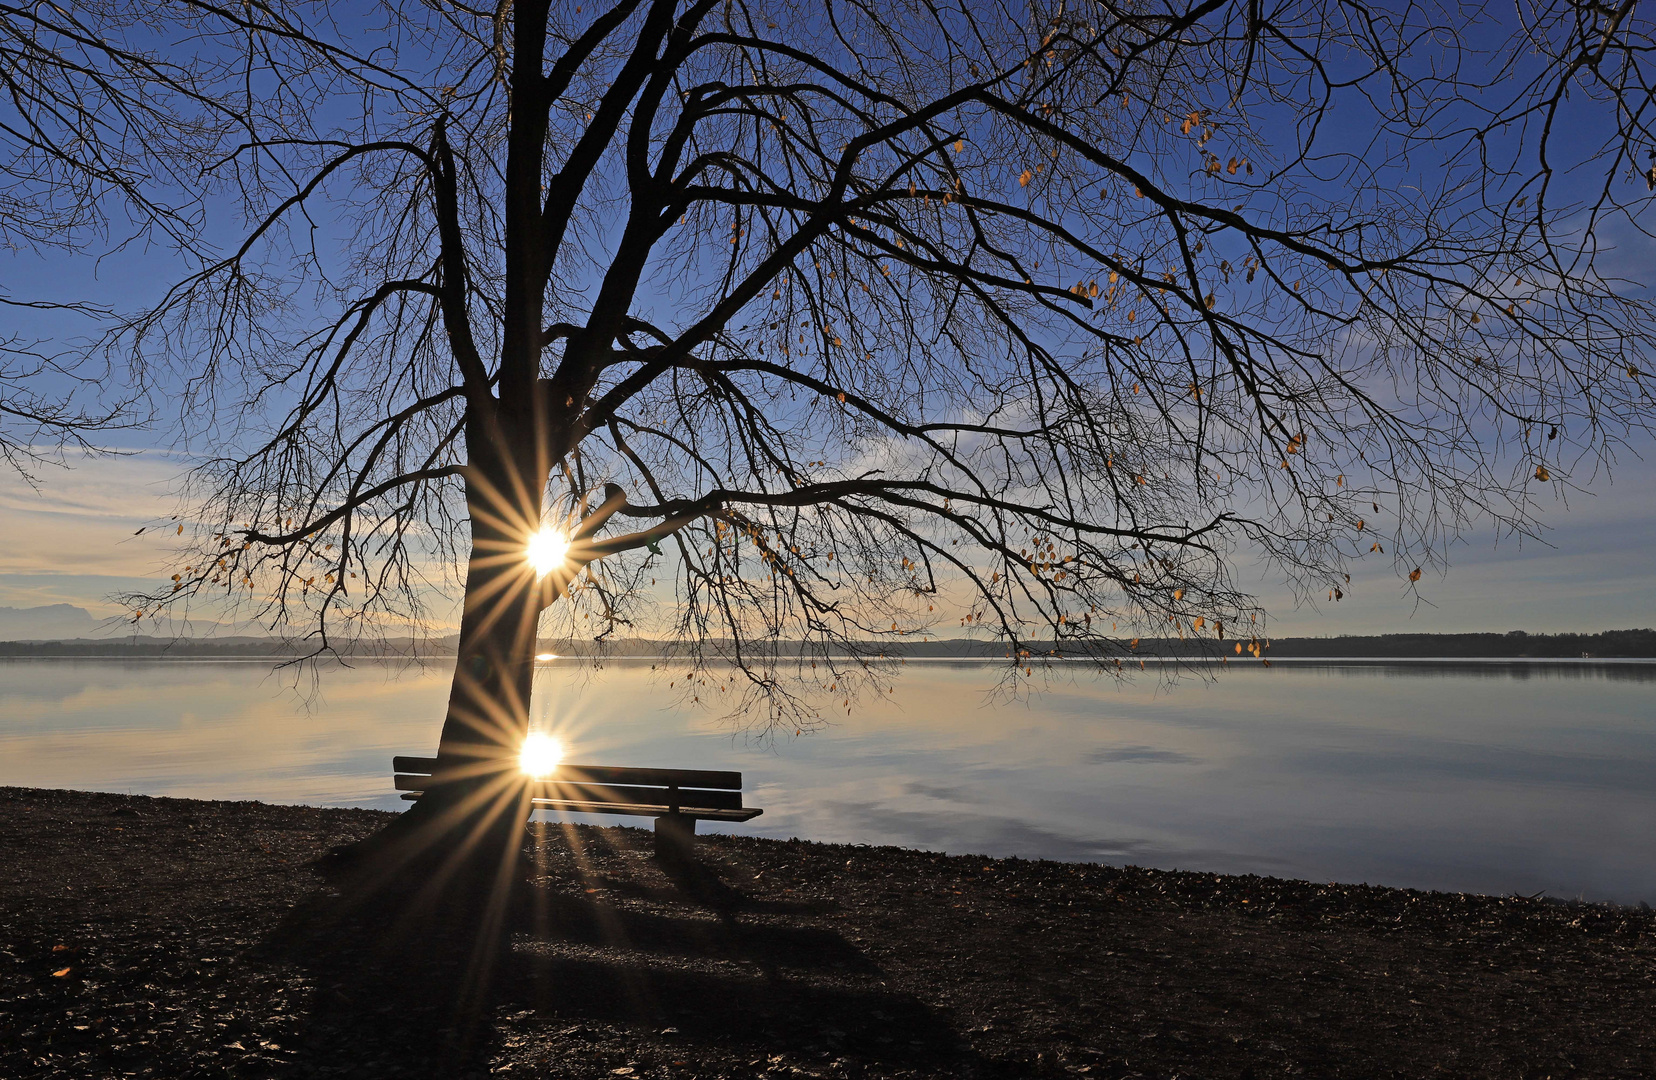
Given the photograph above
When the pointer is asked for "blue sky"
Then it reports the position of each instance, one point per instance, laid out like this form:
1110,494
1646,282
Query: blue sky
72,540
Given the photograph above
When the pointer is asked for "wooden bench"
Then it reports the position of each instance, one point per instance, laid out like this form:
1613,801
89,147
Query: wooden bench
676,798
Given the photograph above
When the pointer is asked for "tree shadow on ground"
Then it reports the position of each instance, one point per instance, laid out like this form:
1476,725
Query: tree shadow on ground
414,988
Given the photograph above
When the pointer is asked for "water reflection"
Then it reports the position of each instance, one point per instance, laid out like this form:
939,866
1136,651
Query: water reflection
1491,777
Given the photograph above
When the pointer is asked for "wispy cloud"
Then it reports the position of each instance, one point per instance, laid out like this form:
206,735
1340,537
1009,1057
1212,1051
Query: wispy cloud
1591,570
77,529
72,541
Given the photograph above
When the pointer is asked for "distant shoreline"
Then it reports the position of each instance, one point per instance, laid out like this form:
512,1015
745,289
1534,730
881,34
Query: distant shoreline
1148,661
1415,648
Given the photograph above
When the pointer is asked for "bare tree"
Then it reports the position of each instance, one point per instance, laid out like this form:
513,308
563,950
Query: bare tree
879,318
99,138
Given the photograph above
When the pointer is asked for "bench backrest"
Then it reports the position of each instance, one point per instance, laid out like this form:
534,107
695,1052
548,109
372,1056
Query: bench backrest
674,788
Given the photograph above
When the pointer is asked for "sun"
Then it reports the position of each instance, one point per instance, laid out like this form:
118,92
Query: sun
540,755
546,550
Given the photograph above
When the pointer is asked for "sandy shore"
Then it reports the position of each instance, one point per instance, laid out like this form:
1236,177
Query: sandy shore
173,938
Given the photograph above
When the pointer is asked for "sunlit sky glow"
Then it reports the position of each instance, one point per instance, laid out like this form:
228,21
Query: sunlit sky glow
73,542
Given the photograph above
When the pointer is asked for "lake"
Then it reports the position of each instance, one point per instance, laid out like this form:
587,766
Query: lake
1496,777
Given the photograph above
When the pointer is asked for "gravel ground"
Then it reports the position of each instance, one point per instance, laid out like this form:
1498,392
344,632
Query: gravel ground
148,937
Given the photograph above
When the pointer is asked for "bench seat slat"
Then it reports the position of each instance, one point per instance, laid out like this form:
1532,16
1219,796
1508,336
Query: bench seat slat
650,796
702,813
606,774
603,793
684,778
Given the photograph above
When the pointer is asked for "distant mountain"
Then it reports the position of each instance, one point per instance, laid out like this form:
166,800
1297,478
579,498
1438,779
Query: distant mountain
53,621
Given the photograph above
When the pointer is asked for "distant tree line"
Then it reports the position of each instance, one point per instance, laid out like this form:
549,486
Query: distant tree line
1607,644
1515,643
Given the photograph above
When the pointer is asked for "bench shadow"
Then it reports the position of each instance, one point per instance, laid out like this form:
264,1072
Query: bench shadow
414,990
547,914
700,884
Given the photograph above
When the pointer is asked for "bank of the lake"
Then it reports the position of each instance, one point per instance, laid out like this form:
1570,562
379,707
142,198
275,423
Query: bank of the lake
184,938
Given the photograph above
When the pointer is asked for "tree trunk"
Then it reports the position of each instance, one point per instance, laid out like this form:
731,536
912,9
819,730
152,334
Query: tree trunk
469,823
488,710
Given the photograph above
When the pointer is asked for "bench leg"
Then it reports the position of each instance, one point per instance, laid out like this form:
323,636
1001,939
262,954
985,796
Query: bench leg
675,838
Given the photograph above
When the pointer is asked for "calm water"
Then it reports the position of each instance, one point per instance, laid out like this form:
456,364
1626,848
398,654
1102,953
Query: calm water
1492,778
